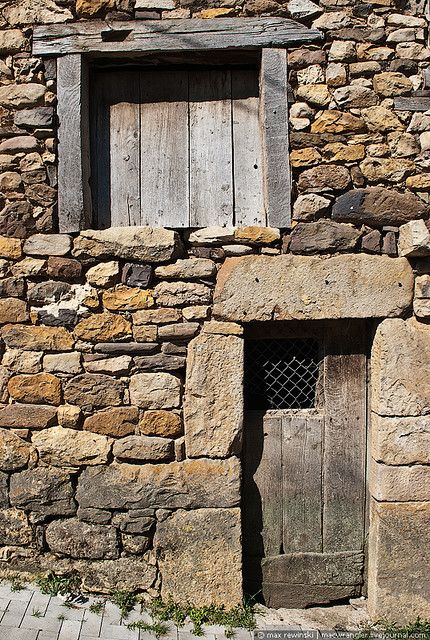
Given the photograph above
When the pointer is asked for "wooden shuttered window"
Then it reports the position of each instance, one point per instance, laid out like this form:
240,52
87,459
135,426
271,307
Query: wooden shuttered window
191,147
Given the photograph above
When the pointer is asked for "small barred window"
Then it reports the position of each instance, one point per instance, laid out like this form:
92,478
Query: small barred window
281,374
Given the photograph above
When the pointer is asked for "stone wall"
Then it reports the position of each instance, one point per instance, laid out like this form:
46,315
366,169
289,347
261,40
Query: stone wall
98,472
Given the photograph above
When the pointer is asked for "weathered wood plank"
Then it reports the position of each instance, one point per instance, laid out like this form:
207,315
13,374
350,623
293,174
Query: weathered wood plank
211,153
173,35
301,468
300,596
345,438
247,150
125,151
412,103
274,122
164,148
74,207
339,568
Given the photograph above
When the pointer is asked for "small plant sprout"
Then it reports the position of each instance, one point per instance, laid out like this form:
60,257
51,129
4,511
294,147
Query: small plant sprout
36,613
97,607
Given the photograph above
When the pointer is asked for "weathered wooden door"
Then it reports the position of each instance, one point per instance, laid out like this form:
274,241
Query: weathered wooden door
304,467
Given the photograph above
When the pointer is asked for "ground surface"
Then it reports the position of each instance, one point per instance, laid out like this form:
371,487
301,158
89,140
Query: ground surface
30,615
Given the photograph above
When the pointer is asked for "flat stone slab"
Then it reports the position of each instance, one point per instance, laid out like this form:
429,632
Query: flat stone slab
288,287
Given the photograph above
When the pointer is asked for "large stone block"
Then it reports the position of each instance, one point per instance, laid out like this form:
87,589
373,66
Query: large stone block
213,405
200,556
40,388
14,452
27,416
103,327
388,483
14,528
130,243
400,356
280,287
399,559
190,484
79,539
155,390
377,207
397,440
94,390
37,338
176,294
115,421
143,449
107,576
60,447
44,491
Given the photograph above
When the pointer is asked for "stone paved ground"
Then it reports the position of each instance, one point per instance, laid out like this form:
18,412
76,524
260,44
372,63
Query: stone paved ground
30,615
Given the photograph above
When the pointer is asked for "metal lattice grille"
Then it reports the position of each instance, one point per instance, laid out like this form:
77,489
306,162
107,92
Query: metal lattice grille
281,374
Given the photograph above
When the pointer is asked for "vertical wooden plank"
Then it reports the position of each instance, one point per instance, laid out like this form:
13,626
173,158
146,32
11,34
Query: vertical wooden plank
74,207
247,150
345,438
211,154
125,151
102,90
301,468
164,148
274,123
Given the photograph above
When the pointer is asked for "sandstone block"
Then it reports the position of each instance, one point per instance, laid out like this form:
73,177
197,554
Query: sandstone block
4,490
94,390
323,236
102,327
11,41
315,94
69,416
119,575
388,483
301,58
48,292
40,388
45,491
200,556
159,362
188,269
391,83
10,248
323,178
145,333
414,239
14,528
54,244
381,169
223,328
37,338
157,316
95,516
14,452
13,287
69,362
116,421
39,117
377,207
118,365
310,206
257,235
398,588
212,235
155,390
398,386
13,310
419,182
130,243
62,447
27,416
190,484
143,449
281,284
16,218
132,348
19,144
213,420
197,312
36,12
422,286
64,268
355,96
165,424
104,274
334,121
123,298
178,331
176,294
82,540
88,8
136,545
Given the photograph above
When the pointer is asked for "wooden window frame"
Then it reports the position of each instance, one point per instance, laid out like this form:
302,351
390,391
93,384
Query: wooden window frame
76,44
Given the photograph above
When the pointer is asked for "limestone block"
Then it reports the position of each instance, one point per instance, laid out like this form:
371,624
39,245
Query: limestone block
11,41
103,274
400,440
156,316
119,575
279,287
54,244
143,449
388,483
113,366
14,452
213,404
82,540
187,269
61,447
155,390
45,491
116,421
103,327
176,294
414,239
399,544
400,355
69,362
130,243
190,484
212,235
201,556
37,338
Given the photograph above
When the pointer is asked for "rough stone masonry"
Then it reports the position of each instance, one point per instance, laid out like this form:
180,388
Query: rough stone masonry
120,454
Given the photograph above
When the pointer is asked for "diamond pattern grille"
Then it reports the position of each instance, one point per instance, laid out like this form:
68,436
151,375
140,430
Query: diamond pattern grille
281,374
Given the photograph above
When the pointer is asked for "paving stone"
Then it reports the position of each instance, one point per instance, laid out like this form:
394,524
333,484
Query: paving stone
10,633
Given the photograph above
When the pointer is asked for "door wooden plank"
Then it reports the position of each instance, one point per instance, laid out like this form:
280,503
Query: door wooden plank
125,152
300,596
164,148
345,438
74,198
211,170
301,468
339,568
274,123
247,150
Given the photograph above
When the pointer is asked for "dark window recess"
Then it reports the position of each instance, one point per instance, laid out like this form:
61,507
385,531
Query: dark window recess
281,374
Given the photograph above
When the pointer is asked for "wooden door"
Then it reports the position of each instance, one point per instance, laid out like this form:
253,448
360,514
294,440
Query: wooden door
304,484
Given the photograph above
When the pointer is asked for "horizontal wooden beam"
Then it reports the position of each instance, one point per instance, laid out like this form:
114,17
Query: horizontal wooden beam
169,35
412,103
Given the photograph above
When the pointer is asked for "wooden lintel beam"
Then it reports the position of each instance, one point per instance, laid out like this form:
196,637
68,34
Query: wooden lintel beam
95,38
412,103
